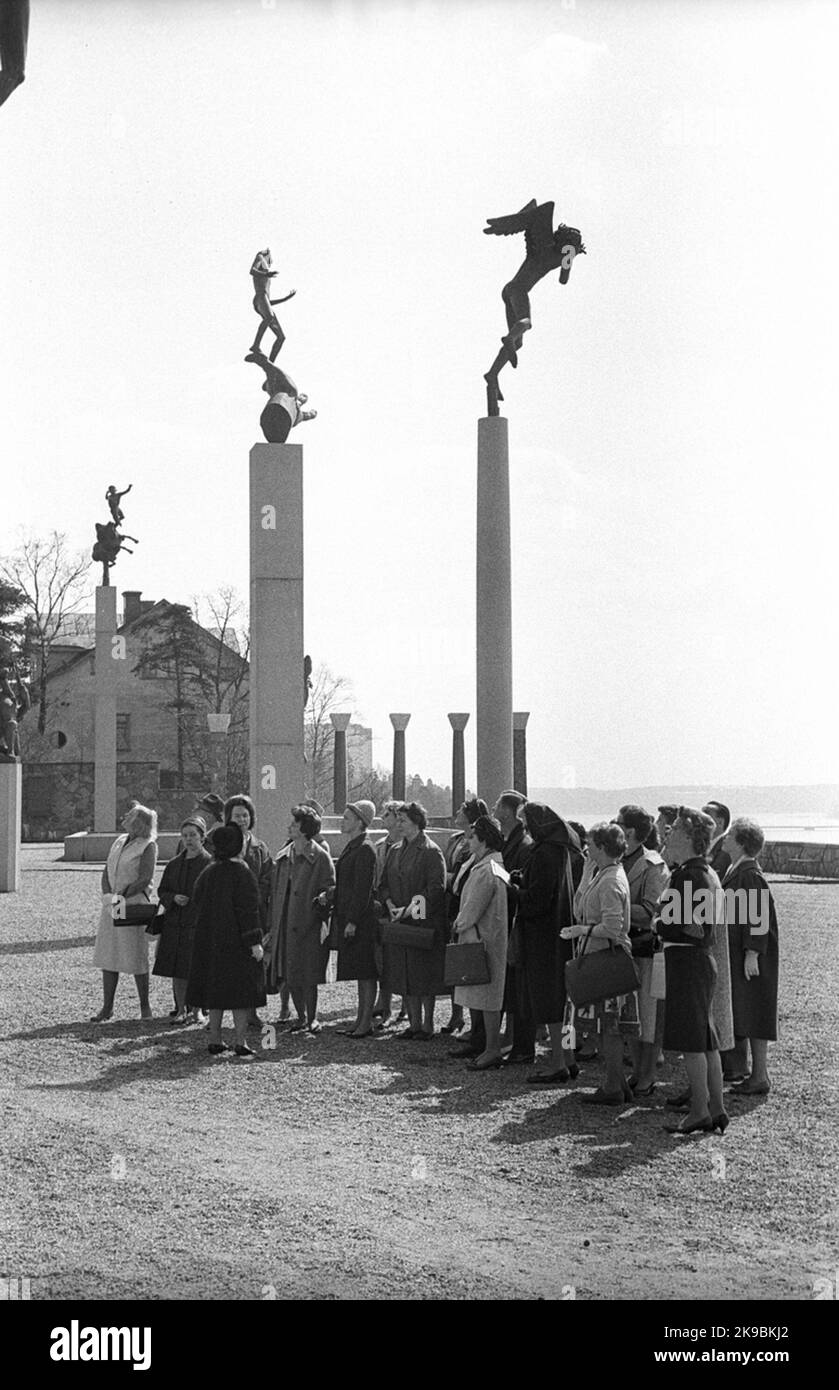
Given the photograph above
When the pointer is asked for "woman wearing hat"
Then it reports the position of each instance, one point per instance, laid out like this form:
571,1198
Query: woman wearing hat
226,967
211,810
177,895
297,945
414,890
353,914
483,917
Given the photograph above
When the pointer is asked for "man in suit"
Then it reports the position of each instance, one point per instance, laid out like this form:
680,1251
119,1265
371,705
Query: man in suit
718,858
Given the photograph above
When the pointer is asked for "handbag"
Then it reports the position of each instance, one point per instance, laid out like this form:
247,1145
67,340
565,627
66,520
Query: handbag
466,963
408,934
137,914
642,941
591,978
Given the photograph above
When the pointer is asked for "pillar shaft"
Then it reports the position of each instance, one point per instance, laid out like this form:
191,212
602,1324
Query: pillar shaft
458,723
106,668
494,637
400,723
276,620
10,802
340,723
520,719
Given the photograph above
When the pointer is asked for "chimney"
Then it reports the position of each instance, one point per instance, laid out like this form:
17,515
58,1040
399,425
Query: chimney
131,605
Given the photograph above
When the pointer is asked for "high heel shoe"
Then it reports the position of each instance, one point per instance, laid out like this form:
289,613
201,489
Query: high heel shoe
720,1122
705,1126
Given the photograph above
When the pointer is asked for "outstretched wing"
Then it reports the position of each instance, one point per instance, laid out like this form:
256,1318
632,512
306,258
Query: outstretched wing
536,221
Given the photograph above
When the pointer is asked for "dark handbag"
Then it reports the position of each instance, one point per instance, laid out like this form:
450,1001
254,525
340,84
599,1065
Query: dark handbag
642,942
591,978
408,934
124,914
467,963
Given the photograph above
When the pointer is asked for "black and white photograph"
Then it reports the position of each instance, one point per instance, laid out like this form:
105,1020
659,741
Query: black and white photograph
419,784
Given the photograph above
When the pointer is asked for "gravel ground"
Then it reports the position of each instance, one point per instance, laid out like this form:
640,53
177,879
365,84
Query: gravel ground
136,1166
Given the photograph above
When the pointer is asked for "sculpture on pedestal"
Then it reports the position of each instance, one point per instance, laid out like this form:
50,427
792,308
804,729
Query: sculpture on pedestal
109,540
15,701
261,273
113,499
14,32
547,250
285,407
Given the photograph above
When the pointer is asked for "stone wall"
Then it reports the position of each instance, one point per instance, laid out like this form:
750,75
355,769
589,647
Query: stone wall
58,797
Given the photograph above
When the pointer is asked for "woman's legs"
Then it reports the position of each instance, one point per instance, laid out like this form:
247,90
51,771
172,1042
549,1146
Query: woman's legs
413,1003
715,1083
366,999
696,1064
240,1025
559,1056
760,1052
613,1057
643,1061
179,988
492,1049
427,1012
216,1016
110,979
142,983
311,1001
285,1012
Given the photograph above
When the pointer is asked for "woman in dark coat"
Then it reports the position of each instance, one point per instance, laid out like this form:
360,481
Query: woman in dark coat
414,891
298,942
354,919
239,810
753,951
688,914
545,906
226,970
176,894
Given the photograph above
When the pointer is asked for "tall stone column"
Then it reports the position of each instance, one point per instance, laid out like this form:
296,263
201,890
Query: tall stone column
458,723
340,723
400,724
494,636
11,782
520,718
110,650
276,623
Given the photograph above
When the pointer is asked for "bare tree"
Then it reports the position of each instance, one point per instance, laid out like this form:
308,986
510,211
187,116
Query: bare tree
51,578
329,694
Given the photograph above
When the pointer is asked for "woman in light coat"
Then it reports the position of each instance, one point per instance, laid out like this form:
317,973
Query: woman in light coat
128,873
482,916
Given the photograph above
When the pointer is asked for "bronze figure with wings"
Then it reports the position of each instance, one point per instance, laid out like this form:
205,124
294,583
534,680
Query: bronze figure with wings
547,250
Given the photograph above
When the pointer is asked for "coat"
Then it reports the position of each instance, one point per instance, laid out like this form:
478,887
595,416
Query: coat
483,916
689,964
755,1001
257,856
296,956
174,949
129,870
544,907
416,867
223,973
355,880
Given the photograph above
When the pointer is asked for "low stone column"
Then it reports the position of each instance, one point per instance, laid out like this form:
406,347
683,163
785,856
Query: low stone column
218,725
520,718
340,723
11,783
458,723
400,724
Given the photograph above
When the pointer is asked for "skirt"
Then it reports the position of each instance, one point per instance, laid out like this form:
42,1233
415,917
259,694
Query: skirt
688,1022
123,949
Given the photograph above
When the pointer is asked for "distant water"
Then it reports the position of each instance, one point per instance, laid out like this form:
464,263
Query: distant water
798,828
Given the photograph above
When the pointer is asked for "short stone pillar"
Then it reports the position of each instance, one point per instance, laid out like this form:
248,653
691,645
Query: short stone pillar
458,723
11,783
340,724
400,724
110,650
218,725
520,718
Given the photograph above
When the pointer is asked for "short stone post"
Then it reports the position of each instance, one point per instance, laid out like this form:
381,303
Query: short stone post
340,723
10,820
458,723
400,724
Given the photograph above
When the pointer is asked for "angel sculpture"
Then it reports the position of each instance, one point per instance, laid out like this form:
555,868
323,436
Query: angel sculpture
262,273
547,250
285,408
14,703
14,32
109,542
113,499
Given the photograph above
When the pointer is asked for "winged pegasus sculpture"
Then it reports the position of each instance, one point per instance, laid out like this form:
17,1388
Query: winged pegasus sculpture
547,250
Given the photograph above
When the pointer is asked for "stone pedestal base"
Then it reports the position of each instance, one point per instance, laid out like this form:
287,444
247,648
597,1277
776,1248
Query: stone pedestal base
10,803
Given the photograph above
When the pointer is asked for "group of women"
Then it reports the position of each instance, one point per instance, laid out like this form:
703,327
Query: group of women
234,925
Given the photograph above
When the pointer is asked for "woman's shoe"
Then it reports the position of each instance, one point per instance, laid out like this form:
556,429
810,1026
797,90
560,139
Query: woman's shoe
705,1126
601,1097
644,1090
548,1078
487,1066
745,1088
720,1122
315,1026
368,1033
679,1102
215,1049
407,1035
242,1050
518,1059
181,1017
573,1071
101,1017
422,1035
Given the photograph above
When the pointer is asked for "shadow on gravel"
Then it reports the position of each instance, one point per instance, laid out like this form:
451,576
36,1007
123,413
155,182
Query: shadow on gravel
34,948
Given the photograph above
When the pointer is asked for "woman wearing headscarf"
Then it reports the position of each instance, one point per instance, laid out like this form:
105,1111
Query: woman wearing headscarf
458,857
753,951
128,873
176,893
354,920
226,967
298,944
546,906
482,916
414,892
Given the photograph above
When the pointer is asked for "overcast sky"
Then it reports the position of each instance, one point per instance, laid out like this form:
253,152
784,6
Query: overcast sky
672,419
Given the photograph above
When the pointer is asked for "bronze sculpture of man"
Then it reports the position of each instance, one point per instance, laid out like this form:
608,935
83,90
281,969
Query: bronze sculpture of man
285,407
547,250
261,274
113,499
14,704
109,542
